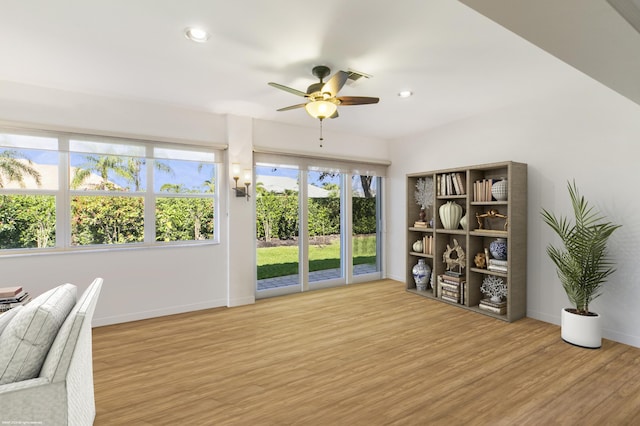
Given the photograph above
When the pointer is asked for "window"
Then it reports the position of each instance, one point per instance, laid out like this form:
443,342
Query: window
28,188
184,188
60,191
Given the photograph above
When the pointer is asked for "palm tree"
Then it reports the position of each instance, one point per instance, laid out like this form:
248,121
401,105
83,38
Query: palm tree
132,170
14,170
209,185
176,188
101,164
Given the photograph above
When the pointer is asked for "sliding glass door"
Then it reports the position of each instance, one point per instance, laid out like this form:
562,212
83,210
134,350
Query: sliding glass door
315,226
324,202
277,228
366,210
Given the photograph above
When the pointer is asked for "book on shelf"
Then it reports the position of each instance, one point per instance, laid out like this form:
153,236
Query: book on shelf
15,299
497,265
449,298
454,288
456,184
451,293
488,302
498,262
461,184
453,276
450,184
501,310
420,224
427,244
482,190
6,306
10,291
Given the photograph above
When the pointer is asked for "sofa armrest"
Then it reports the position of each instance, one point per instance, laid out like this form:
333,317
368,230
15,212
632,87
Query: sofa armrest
36,401
18,386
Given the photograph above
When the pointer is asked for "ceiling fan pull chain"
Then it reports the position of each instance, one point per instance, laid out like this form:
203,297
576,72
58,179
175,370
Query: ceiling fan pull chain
321,138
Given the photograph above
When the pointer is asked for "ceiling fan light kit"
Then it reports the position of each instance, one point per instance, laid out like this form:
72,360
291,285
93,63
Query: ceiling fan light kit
323,99
321,109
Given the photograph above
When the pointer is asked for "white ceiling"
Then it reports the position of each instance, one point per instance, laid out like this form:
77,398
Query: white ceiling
457,62
591,35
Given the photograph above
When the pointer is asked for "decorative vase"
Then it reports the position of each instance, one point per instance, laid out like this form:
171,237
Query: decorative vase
417,246
421,274
422,215
450,214
498,249
464,222
499,190
581,330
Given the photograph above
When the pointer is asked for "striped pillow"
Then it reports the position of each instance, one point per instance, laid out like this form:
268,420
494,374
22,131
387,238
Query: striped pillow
8,316
26,340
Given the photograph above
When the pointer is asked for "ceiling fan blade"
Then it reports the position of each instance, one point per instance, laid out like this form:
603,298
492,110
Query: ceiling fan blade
288,89
357,100
292,107
335,115
335,83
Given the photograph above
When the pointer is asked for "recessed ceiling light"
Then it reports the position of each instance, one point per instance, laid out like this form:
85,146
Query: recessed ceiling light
405,93
196,34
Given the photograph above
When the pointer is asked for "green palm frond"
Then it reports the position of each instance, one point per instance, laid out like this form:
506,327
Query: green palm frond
583,264
14,170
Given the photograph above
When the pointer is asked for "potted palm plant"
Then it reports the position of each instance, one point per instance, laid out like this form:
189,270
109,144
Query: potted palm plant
583,265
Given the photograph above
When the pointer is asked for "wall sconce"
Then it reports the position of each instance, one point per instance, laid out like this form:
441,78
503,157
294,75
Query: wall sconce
241,192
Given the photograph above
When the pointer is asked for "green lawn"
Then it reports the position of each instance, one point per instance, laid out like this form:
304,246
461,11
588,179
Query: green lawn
281,261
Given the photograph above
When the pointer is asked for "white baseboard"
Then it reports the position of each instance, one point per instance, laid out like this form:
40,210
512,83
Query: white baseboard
239,301
136,316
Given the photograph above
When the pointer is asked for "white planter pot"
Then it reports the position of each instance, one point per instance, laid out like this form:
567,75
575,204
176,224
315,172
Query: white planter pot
581,330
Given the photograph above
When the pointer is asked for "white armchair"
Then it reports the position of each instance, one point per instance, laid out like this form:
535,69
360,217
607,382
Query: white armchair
62,394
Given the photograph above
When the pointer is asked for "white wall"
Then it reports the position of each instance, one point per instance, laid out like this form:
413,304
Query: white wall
592,137
147,282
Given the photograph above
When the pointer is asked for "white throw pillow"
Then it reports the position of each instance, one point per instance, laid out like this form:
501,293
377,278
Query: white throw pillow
26,340
7,317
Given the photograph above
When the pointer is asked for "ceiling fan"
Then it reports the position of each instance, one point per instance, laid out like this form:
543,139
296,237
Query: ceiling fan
323,99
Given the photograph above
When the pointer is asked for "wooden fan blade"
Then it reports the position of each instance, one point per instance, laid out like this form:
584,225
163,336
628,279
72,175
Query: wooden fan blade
292,107
288,89
357,100
335,83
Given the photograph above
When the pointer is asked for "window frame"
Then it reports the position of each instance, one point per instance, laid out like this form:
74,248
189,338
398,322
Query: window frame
64,194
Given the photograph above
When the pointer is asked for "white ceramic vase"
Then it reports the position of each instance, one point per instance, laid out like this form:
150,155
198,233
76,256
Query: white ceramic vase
499,190
450,215
464,222
581,330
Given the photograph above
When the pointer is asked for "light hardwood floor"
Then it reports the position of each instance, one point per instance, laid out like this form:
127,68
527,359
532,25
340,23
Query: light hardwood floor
365,354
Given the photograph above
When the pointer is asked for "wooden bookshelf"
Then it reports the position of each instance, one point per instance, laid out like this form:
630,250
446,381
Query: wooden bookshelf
494,215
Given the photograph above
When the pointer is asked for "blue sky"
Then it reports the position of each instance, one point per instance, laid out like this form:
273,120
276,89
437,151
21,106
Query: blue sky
184,172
